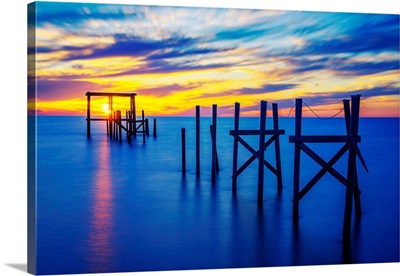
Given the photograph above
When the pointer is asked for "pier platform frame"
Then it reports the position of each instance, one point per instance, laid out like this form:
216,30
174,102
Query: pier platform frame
114,120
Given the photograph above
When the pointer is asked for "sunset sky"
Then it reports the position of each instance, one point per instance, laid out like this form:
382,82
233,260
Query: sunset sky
175,58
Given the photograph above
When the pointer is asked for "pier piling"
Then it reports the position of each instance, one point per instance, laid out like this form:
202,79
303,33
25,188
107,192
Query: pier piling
183,139
350,141
214,144
197,140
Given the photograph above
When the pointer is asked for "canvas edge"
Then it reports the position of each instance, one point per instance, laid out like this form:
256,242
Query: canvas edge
31,139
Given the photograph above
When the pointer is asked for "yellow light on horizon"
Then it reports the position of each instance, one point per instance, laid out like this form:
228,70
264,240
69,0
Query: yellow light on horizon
106,108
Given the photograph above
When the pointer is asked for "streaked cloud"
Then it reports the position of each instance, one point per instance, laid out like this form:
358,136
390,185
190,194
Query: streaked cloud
177,57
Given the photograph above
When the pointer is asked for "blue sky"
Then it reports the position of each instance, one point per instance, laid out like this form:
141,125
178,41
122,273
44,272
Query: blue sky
184,56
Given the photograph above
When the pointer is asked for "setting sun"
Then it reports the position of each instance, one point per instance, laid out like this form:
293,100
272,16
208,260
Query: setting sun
105,108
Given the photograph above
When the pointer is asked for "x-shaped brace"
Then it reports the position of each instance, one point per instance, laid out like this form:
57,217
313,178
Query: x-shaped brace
255,155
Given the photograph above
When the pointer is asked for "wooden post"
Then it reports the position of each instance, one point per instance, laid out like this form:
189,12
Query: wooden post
155,127
183,138
235,148
346,108
115,126
296,177
130,114
147,126
133,116
88,117
112,110
351,166
127,125
109,116
197,140
119,122
357,200
260,192
143,126
131,103
216,151
277,146
214,144
130,118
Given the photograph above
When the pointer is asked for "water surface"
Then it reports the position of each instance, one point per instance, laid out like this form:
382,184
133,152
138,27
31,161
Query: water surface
105,206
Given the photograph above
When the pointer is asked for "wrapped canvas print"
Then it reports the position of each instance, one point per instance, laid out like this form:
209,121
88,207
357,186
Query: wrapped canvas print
184,138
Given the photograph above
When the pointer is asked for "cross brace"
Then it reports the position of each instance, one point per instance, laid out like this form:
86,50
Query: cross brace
262,146
350,139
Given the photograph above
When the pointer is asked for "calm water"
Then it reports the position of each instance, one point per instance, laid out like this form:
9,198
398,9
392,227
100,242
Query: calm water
105,206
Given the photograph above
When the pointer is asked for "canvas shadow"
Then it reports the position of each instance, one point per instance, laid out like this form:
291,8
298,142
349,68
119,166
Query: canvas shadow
20,267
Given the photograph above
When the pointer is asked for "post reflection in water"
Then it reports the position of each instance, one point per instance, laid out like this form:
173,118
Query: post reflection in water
101,221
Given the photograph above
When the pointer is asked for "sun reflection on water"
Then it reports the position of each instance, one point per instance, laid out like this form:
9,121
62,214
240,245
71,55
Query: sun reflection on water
101,221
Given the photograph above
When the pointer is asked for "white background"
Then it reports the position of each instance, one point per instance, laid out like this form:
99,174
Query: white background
13,149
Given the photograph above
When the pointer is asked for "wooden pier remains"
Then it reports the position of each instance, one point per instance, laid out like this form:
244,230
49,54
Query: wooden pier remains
197,140
213,133
350,140
262,132
183,140
114,120
214,144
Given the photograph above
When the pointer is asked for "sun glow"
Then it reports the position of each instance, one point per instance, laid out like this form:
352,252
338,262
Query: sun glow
106,108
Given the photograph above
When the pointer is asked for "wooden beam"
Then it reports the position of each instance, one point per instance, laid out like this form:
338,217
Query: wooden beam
323,164
322,172
244,132
106,94
254,157
321,139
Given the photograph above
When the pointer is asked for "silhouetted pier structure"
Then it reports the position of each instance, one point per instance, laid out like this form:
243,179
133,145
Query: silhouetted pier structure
214,154
114,121
262,132
350,140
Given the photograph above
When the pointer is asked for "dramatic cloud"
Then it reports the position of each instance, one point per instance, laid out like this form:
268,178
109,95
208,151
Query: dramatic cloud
267,88
344,66
177,57
323,98
57,89
164,90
